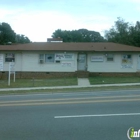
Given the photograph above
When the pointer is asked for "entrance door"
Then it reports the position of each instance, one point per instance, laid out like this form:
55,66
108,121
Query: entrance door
138,62
82,62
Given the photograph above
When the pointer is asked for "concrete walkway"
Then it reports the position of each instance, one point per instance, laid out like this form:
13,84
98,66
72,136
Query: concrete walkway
82,82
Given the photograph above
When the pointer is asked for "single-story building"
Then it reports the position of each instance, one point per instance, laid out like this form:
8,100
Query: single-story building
68,59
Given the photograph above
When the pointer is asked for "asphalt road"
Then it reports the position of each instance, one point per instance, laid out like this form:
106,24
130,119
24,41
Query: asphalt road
70,116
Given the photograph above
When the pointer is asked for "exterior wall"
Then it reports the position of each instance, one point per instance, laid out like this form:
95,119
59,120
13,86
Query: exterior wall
29,62
112,66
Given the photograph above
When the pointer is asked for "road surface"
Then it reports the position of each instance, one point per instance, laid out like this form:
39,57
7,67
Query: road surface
105,115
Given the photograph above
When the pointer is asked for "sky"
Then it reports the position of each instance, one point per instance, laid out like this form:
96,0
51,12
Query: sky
38,19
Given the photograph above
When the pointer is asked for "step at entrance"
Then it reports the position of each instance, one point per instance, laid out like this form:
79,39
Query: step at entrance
82,74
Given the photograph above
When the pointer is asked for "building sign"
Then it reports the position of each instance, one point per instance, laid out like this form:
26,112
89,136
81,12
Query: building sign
1,62
9,57
64,56
12,67
11,71
59,57
97,58
126,66
66,64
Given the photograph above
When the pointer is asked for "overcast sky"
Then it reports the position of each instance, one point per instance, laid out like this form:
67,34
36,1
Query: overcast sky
38,19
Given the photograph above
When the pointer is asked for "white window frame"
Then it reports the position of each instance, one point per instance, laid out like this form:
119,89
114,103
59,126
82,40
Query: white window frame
41,58
9,56
110,57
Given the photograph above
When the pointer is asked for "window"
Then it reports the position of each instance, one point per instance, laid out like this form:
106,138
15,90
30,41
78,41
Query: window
127,59
9,57
41,58
110,57
49,58
54,58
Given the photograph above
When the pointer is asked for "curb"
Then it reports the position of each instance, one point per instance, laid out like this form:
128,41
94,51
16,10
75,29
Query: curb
67,87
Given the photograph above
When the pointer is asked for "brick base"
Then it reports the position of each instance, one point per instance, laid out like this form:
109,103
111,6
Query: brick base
43,75
38,75
114,74
82,74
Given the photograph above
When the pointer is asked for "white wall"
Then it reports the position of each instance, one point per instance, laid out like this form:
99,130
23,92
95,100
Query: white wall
30,62
114,66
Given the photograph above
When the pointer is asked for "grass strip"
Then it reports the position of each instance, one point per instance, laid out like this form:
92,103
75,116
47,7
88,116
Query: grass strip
70,90
113,80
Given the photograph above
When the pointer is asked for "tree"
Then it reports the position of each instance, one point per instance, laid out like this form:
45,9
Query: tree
134,34
90,36
8,35
22,39
124,33
119,32
81,35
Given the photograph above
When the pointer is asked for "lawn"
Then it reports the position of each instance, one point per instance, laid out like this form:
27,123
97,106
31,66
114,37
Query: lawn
66,81
113,80
39,82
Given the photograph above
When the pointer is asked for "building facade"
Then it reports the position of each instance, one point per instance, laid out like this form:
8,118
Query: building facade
69,58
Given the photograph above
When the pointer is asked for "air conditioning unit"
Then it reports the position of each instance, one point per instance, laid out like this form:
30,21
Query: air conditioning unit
41,61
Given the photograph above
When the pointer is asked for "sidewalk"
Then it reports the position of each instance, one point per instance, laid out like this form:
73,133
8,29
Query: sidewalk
67,87
83,82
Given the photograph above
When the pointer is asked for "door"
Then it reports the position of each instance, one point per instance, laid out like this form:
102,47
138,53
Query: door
138,62
82,62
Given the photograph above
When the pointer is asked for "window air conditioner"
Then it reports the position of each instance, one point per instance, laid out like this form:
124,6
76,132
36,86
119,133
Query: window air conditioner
41,61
